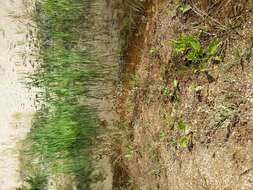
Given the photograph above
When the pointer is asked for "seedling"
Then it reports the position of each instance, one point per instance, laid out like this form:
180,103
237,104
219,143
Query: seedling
130,151
184,142
181,125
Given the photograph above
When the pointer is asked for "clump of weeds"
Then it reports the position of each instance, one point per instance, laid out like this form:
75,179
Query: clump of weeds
194,54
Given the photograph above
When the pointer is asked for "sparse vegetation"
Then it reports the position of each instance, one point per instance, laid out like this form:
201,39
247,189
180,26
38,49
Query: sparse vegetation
63,131
65,126
194,54
184,8
182,113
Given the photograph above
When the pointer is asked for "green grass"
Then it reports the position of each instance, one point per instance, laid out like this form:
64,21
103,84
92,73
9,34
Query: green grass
65,126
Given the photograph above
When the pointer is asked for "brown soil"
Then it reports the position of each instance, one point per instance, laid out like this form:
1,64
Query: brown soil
215,105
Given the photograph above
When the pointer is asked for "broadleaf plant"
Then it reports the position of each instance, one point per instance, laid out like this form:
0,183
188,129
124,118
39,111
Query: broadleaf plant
193,51
184,8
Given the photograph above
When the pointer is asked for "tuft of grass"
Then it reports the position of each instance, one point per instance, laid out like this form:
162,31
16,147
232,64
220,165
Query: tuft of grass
65,125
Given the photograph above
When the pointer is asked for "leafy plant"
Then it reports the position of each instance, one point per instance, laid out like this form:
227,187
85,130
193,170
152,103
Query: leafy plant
213,47
193,51
166,91
191,45
181,125
184,8
162,136
36,182
184,142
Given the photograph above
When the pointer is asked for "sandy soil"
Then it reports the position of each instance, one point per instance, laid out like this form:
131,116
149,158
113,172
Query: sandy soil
16,103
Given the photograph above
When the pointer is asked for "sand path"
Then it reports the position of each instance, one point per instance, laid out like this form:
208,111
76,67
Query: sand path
16,102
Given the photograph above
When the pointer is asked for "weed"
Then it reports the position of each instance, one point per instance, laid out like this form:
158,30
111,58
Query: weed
165,91
184,142
194,53
37,182
184,8
190,46
181,125
226,114
130,151
64,127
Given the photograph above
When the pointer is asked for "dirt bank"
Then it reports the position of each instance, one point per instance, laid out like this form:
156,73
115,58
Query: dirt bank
16,103
215,106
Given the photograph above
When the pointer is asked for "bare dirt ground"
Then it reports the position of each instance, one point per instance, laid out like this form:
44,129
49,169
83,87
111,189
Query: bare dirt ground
217,107
16,103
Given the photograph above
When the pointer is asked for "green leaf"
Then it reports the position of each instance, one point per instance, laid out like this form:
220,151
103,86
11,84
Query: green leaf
162,136
181,125
179,46
175,83
184,8
191,56
217,58
184,142
194,43
213,47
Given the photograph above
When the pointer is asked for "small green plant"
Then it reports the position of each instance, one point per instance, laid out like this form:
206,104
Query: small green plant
184,8
193,52
162,136
130,151
184,142
165,91
190,46
36,182
182,125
